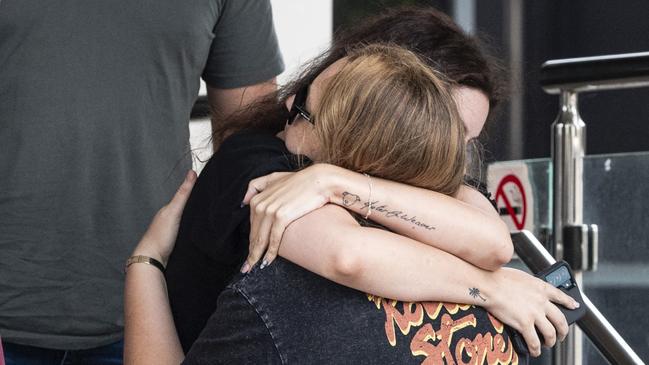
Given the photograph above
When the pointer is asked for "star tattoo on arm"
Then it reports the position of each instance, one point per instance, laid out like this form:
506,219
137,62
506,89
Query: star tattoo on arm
475,293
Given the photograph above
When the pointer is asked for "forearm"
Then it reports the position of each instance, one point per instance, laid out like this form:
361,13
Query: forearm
225,102
383,263
331,244
149,330
463,227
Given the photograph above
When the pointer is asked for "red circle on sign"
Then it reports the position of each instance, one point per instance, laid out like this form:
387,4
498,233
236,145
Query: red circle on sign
500,192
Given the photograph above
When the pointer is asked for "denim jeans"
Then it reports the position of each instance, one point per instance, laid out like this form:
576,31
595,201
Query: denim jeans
28,355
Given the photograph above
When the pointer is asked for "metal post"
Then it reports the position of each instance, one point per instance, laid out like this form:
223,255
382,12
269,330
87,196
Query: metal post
568,149
573,241
514,40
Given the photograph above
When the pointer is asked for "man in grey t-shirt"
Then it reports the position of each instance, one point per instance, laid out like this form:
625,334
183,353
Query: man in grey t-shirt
95,98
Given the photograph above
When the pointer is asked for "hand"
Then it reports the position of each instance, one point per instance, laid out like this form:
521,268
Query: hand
278,199
527,304
159,239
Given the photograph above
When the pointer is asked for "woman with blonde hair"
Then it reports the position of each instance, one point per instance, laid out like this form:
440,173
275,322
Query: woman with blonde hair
381,112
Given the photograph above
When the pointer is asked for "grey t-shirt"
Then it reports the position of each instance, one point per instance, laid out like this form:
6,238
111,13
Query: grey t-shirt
95,98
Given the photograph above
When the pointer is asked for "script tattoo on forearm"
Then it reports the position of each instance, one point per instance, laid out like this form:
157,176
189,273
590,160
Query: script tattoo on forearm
475,293
349,199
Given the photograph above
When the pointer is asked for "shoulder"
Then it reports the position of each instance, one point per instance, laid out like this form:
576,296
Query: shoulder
214,219
245,50
250,141
246,152
249,6
226,338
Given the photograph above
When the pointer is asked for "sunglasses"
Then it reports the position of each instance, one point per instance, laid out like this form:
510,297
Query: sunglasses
298,109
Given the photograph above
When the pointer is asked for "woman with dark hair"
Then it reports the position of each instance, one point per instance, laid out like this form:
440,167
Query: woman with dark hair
325,240
440,43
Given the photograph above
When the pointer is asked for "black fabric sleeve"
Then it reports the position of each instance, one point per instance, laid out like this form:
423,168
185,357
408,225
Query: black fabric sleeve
234,334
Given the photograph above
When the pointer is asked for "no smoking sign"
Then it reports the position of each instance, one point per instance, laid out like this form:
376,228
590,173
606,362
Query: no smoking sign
509,182
511,200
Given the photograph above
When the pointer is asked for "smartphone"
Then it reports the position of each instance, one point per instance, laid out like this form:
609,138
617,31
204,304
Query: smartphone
561,277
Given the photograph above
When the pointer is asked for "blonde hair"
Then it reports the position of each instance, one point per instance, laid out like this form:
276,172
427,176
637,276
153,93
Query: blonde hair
386,113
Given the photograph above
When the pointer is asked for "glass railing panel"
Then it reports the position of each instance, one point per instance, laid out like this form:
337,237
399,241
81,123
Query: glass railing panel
616,198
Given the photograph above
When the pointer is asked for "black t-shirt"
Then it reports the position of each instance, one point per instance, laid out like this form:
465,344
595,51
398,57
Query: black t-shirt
212,240
284,313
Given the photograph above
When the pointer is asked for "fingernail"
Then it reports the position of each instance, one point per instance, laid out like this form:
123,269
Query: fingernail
245,268
576,304
263,264
242,205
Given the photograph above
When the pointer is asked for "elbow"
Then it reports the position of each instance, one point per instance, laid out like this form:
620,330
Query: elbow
504,254
496,260
346,265
502,249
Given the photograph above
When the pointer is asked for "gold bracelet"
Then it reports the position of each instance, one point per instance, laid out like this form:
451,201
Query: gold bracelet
141,259
369,199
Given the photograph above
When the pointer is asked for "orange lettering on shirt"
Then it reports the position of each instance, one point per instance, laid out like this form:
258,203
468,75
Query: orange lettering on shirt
413,315
435,345
498,325
493,349
439,353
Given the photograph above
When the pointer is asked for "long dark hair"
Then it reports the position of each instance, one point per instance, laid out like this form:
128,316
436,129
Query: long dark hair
427,32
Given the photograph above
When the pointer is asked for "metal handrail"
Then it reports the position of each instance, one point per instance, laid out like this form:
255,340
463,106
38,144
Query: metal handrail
620,71
600,332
